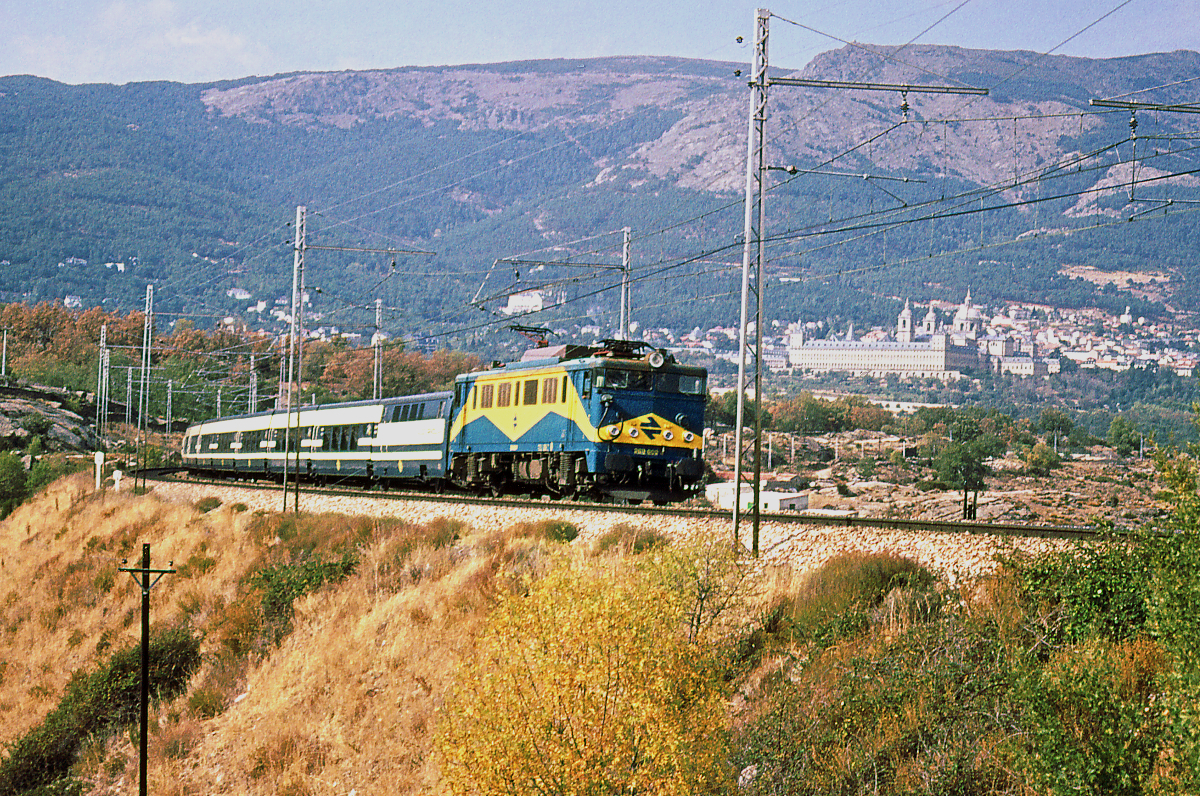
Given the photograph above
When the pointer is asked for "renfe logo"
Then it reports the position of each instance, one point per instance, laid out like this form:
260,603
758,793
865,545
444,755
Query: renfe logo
651,428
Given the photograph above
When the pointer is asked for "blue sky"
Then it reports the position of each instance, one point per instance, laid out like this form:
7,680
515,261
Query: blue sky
120,41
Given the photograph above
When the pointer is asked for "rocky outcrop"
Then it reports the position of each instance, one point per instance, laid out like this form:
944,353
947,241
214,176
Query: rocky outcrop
60,429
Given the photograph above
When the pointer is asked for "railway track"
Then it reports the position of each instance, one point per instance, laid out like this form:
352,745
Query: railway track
1068,532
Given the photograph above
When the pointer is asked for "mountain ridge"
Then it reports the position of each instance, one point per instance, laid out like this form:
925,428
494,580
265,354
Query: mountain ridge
485,161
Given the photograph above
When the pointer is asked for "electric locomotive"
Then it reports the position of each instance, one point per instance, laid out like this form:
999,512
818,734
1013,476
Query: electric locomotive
607,421
616,421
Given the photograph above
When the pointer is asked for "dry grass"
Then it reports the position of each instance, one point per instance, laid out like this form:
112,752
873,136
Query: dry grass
347,701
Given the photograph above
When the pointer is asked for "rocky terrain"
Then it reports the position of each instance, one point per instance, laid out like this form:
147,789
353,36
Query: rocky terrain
22,418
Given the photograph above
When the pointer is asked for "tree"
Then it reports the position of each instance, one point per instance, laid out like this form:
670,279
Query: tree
723,409
1122,436
587,684
12,483
1041,459
1056,423
961,464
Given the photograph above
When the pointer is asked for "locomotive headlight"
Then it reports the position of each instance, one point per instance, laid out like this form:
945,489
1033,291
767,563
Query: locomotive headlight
668,435
614,431
688,436
633,432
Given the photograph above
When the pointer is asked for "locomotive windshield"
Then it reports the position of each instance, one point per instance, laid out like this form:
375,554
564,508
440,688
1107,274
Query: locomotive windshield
645,380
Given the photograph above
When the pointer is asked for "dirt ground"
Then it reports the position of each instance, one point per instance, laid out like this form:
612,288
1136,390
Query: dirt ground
1091,486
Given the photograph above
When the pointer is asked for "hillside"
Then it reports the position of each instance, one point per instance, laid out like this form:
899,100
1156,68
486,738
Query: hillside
190,187
339,652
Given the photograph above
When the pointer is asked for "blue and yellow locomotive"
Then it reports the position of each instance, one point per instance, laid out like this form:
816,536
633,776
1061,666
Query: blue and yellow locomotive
569,419
613,421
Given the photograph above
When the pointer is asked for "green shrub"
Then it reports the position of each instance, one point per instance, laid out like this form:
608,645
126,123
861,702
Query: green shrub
919,715
550,530
840,598
13,487
96,703
282,584
1091,725
630,539
198,563
207,504
48,469
1090,589
204,703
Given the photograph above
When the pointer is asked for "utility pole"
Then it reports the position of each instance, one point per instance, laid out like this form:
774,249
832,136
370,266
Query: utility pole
144,390
296,343
625,289
297,267
129,395
142,576
219,415
4,357
377,344
106,364
253,402
99,376
752,252
170,394
752,273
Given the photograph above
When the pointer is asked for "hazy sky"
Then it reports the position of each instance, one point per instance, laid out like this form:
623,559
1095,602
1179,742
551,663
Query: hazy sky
120,41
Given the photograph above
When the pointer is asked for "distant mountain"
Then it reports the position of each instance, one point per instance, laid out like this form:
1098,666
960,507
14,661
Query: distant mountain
190,187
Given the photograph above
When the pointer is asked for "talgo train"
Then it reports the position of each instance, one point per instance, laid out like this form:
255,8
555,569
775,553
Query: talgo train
610,422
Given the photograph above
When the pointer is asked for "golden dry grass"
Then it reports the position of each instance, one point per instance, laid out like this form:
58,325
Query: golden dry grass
347,702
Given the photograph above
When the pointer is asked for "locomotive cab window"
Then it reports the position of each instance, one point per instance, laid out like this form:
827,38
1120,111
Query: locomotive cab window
680,383
624,379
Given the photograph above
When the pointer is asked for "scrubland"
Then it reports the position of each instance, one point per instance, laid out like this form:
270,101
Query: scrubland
367,655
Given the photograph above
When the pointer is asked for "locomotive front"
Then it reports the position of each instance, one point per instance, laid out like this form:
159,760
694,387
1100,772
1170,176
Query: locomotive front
607,421
648,413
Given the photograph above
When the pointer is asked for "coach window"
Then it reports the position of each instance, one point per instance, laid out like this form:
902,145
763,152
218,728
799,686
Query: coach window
531,388
486,396
550,390
504,394
421,411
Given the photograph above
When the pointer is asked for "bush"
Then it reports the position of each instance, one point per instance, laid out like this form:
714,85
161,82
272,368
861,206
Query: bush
49,469
97,703
207,504
1092,725
839,599
919,715
1090,590
282,584
12,483
629,539
550,530
586,685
